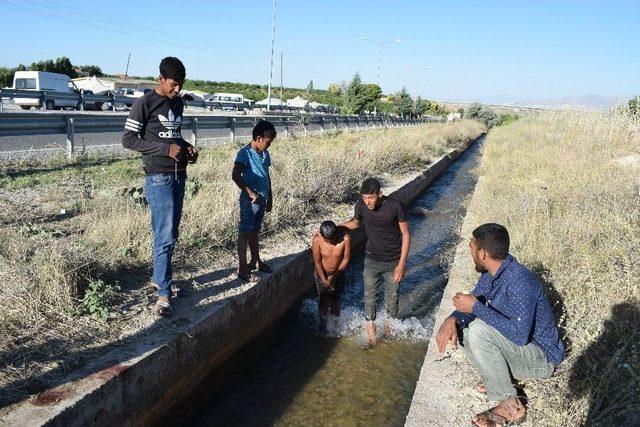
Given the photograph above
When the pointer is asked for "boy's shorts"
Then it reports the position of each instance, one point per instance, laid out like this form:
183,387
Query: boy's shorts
251,214
336,291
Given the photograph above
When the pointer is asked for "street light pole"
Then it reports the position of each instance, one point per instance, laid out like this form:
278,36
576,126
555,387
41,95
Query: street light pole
380,44
273,38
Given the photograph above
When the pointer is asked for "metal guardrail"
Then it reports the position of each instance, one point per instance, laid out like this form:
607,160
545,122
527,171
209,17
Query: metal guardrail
28,124
84,100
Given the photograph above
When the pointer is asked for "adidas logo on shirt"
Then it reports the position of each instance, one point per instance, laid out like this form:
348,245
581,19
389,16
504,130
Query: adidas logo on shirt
171,123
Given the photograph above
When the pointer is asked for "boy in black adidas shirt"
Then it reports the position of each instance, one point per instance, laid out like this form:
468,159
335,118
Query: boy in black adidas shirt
153,129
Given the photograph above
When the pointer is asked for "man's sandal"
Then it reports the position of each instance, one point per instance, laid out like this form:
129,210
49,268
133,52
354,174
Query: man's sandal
261,266
163,308
249,277
176,291
507,413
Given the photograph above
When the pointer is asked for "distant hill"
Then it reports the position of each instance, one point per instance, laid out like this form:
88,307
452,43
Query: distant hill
584,102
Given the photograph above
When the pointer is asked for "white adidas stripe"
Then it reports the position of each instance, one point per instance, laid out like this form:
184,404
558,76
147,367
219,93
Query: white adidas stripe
132,128
134,125
134,122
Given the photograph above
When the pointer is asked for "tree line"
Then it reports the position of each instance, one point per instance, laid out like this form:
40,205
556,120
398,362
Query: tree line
60,65
356,97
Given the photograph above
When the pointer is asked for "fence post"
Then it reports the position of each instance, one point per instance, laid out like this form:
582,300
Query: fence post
194,131
357,123
113,102
44,100
347,121
305,126
285,124
232,129
335,122
70,137
1,101
82,100
321,124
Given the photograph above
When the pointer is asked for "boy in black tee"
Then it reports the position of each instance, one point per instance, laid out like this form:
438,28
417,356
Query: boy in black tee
387,248
153,129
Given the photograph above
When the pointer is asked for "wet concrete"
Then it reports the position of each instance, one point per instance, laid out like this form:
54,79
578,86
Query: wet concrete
293,375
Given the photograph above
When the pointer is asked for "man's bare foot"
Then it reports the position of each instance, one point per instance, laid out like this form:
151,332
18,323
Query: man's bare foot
481,388
371,333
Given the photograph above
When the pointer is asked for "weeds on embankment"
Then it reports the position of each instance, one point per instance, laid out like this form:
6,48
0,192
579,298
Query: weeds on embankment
88,228
567,187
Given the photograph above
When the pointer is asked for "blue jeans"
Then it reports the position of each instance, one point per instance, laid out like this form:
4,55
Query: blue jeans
165,194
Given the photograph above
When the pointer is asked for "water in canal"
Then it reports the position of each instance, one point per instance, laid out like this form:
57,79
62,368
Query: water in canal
295,376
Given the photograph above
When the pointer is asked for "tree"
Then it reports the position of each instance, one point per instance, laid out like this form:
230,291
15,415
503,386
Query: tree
421,107
61,65
91,70
473,110
370,95
404,103
634,106
6,75
482,114
335,90
352,101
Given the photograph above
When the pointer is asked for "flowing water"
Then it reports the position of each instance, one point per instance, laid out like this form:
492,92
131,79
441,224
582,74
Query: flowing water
296,376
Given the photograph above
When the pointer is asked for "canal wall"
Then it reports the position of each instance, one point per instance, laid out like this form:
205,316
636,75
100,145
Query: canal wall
139,384
445,393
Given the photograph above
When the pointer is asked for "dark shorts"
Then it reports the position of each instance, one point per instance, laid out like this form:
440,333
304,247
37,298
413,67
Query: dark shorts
251,214
338,286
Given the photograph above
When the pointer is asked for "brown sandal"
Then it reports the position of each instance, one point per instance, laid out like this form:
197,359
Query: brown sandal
506,413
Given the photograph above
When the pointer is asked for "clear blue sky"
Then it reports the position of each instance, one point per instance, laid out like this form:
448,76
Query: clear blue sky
478,50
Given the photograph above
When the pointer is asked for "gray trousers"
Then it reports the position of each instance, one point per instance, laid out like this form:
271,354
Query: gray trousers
497,358
374,273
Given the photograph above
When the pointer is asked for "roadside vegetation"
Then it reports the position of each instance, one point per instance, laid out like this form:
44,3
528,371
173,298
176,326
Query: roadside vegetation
75,242
487,116
567,187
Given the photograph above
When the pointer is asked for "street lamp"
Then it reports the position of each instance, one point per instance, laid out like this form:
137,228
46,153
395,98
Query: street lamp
273,38
418,70
380,44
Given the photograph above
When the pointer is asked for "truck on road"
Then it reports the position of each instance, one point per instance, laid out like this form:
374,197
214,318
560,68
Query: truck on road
44,81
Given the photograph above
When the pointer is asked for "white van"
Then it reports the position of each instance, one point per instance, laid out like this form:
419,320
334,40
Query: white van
228,101
43,81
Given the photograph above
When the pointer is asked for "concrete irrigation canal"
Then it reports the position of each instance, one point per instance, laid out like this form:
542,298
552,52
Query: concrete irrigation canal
294,376
256,358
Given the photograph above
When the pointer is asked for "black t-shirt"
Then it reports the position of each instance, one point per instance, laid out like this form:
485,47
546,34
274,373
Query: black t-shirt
153,124
384,239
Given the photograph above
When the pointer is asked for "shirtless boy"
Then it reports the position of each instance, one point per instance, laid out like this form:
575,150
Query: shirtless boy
331,253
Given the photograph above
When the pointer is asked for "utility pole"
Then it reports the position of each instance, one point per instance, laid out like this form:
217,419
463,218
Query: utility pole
126,71
273,38
281,98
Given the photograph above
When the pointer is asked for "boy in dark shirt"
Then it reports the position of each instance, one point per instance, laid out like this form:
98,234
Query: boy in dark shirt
153,129
387,249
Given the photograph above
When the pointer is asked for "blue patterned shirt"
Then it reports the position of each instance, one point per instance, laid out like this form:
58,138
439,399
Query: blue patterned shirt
513,302
256,169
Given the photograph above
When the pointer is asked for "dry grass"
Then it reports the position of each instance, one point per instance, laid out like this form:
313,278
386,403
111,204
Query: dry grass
573,211
46,265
